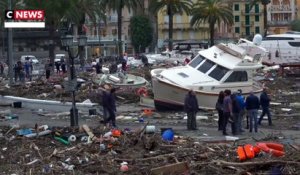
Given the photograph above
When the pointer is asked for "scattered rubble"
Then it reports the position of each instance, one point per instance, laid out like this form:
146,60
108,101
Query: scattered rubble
134,152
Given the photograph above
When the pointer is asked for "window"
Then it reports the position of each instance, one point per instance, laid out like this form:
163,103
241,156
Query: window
218,72
278,38
237,30
247,8
256,18
247,31
237,76
257,30
236,18
256,8
247,19
183,75
196,61
294,44
236,7
206,66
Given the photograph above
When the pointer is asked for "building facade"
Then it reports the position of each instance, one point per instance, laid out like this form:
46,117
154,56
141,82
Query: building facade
280,14
247,22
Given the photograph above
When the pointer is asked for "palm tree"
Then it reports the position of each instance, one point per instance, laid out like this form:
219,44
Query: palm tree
55,11
118,5
212,12
264,3
173,6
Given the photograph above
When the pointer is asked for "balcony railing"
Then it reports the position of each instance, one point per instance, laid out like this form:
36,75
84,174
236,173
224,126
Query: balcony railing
280,8
252,12
279,23
247,24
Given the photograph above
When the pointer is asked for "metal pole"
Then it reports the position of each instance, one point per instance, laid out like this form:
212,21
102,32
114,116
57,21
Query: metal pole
73,111
10,52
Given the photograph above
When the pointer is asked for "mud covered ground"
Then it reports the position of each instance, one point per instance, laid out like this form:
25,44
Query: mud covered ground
145,152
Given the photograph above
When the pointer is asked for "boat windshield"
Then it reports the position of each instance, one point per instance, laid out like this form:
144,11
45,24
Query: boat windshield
197,60
218,72
206,66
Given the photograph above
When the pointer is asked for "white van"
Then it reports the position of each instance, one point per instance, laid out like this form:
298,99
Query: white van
31,58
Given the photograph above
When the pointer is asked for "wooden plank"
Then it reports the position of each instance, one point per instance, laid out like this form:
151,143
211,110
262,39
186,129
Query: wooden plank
89,132
176,168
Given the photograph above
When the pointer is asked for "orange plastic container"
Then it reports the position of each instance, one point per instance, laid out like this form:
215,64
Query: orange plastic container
241,153
276,153
249,151
263,146
275,146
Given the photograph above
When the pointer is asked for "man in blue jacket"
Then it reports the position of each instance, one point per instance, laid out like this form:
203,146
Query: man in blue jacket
265,104
252,106
241,102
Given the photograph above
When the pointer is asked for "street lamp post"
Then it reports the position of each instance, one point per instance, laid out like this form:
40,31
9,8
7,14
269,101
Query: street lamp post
72,49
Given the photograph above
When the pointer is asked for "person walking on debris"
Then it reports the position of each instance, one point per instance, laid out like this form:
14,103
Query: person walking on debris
48,67
219,108
191,108
1,68
111,107
252,106
241,102
105,102
265,103
227,111
57,66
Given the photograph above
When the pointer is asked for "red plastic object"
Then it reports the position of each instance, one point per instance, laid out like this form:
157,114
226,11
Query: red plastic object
116,133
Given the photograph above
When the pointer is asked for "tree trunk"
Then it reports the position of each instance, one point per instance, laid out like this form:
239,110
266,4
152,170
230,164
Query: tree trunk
119,45
212,34
155,32
81,48
170,13
265,21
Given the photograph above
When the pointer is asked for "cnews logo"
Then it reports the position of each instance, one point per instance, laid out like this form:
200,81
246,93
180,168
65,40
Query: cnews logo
25,14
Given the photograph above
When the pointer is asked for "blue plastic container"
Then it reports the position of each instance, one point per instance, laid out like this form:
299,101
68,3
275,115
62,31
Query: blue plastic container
168,135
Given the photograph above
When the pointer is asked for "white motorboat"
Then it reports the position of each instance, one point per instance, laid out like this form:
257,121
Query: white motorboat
213,70
282,48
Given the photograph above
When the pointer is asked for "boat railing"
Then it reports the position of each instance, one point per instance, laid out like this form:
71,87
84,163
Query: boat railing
230,51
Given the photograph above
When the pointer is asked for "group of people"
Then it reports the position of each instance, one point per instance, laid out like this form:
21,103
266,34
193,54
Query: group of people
23,71
60,66
232,107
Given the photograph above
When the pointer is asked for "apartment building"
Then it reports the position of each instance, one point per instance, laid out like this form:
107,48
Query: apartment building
280,14
298,9
247,22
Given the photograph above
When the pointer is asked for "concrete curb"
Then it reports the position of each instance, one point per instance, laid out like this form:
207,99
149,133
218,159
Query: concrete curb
47,104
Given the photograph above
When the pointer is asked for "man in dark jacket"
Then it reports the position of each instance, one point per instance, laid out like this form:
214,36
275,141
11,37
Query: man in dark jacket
265,103
111,107
191,108
252,106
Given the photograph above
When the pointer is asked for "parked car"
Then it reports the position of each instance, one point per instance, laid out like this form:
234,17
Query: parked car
31,58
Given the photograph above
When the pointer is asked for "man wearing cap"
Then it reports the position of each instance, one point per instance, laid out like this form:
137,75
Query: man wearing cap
265,103
191,108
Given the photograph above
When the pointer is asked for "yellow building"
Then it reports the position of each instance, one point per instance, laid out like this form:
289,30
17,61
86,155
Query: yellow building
182,29
247,22
298,9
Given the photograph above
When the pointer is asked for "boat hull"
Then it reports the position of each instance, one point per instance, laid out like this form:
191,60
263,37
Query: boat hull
171,96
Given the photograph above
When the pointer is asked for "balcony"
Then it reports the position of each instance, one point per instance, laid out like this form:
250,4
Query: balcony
176,26
279,23
252,12
280,8
247,24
